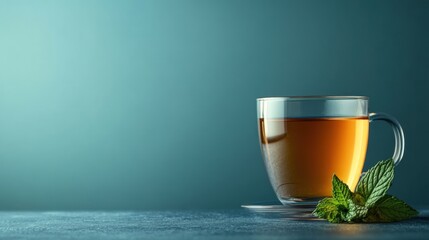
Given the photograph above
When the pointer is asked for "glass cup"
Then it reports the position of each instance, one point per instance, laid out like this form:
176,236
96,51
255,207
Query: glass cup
305,140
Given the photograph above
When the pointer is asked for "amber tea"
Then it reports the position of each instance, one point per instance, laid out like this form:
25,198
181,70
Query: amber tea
302,154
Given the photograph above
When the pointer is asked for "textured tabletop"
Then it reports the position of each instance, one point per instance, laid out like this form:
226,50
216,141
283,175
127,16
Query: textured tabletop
231,224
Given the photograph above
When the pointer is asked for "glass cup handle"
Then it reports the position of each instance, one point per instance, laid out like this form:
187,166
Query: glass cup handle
397,130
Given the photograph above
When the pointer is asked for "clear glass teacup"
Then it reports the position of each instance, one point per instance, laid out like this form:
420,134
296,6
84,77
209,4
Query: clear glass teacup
305,140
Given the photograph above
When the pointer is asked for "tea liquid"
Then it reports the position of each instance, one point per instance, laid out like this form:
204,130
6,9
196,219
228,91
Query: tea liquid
302,155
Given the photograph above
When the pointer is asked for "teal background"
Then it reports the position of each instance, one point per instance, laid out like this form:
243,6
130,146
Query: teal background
151,104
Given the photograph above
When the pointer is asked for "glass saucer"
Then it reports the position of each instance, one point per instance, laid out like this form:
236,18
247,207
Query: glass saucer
277,210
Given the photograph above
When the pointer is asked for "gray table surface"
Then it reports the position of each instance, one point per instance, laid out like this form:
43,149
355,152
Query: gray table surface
228,224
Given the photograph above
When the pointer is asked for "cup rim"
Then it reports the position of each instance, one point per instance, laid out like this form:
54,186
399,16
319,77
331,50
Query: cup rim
315,97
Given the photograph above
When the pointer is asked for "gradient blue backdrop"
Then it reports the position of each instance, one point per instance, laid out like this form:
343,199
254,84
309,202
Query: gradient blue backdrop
151,104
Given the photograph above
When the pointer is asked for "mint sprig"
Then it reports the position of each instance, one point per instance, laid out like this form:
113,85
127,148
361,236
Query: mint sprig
369,203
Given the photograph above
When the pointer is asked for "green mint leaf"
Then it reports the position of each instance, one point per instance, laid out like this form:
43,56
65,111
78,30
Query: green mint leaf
340,191
390,209
375,183
356,212
324,206
329,209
